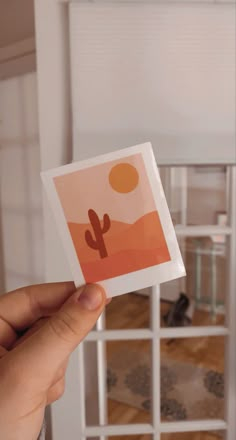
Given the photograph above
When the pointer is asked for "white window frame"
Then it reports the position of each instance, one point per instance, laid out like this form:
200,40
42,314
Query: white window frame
52,38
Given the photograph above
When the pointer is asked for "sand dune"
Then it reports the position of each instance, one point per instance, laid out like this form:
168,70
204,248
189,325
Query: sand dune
122,263
130,247
145,233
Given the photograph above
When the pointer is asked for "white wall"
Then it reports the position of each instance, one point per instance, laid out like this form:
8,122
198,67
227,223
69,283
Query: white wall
21,207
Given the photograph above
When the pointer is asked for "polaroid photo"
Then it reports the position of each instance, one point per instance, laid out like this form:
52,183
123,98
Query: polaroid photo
114,221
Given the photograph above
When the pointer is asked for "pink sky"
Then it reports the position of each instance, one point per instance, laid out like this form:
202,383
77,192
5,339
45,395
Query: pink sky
90,189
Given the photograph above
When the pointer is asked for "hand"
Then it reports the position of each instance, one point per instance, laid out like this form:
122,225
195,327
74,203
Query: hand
40,326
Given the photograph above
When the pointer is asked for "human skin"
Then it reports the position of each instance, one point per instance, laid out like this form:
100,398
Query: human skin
40,326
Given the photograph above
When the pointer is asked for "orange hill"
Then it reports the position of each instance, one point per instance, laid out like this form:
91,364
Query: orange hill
122,263
130,247
145,233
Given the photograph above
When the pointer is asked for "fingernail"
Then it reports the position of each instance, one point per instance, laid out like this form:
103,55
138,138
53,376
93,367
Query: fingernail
91,297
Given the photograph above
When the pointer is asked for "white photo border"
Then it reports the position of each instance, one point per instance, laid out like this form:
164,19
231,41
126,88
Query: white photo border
134,280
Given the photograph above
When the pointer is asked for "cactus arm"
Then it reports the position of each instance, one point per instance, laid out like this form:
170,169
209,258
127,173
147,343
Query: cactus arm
90,241
106,223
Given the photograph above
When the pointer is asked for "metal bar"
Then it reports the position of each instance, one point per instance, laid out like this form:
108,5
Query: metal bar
132,429
215,251
202,231
167,184
198,274
156,362
119,335
213,286
166,427
183,219
184,195
101,367
193,332
194,426
230,351
164,333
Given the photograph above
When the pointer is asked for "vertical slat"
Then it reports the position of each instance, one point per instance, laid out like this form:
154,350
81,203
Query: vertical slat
198,272
213,284
81,391
183,219
168,183
156,361
184,196
26,180
101,365
230,354
2,268
53,75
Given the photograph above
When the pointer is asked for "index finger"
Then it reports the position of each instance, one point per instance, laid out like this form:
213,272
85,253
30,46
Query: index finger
21,308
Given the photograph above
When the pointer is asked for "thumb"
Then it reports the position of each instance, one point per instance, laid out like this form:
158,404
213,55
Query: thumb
43,352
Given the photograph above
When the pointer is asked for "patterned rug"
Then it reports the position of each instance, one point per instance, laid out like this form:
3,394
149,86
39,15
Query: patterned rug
188,392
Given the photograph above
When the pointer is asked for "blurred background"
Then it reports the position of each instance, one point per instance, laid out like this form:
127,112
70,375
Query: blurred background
143,70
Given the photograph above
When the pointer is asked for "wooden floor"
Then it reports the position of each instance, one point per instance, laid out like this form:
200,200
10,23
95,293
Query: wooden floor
132,311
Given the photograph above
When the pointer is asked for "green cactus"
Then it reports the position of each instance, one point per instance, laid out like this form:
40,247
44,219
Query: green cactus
98,243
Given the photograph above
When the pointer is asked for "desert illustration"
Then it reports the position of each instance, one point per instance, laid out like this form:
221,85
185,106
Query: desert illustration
112,218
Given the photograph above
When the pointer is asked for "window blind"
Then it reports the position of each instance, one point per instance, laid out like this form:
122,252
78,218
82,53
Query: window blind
154,71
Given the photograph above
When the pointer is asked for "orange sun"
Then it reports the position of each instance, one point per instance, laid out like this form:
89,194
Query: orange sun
123,178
